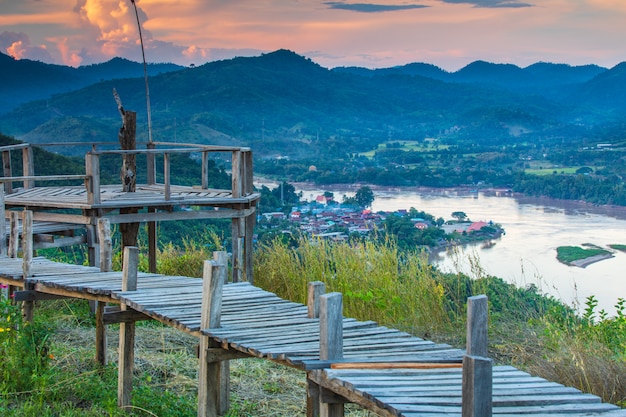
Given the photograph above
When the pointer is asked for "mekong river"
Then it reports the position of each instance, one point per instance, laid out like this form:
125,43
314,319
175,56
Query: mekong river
534,228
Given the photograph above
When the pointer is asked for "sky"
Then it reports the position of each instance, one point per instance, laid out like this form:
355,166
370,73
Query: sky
377,34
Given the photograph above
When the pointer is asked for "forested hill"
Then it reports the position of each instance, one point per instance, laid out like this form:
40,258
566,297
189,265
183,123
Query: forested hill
26,80
283,103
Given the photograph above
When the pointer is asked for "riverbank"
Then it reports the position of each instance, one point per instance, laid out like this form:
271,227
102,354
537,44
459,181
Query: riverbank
582,263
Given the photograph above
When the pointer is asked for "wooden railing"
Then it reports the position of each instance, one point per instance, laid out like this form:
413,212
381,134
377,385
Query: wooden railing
241,166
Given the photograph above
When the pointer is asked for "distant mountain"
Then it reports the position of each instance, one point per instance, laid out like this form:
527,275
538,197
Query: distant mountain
25,80
549,80
283,103
607,90
418,68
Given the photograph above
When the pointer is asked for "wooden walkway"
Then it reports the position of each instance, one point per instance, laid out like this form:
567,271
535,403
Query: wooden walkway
260,324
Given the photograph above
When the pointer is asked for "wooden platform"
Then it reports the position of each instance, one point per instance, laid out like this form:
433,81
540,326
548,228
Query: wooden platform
260,324
112,197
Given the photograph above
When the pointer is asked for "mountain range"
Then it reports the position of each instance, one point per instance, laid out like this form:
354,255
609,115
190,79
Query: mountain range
281,103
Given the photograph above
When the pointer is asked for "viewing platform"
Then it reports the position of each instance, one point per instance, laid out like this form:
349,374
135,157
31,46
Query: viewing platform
61,210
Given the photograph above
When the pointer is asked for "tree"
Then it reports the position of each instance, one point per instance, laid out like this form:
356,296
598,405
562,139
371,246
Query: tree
364,196
459,215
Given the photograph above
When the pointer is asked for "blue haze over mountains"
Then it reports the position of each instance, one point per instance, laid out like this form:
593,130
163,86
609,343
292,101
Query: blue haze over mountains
282,98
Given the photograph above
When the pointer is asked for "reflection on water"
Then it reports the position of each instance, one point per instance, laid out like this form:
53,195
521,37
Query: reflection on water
534,227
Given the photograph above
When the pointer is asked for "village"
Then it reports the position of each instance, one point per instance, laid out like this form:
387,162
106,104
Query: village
327,219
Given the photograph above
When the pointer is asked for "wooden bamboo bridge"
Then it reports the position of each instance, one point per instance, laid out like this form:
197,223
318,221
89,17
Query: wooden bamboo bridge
384,370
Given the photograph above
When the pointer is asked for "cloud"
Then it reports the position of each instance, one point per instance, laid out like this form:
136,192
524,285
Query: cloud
491,3
370,7
17,44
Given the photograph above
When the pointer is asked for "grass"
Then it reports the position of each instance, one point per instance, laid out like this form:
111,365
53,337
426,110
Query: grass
619,247
53,372
568,254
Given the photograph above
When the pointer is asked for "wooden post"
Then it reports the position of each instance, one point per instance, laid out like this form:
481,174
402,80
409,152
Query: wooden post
477,325
331,344
150,165
106,244
209,373
477,387
316,290
237,233
221,257
152,243
28,166
92,169
14,234
3,225
106,254
205,170
27,260
127,331
27,243
128,174
6,168
477,368
250,221
236,174
166,176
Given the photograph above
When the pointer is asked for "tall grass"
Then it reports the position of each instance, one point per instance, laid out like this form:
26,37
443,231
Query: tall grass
399,289
378,281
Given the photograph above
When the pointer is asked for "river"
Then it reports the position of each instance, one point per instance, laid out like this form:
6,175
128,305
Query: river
534,228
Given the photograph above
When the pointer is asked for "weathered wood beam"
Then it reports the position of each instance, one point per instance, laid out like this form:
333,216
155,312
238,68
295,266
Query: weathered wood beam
315,290
214,355
127,331
477,325
331,343
59,242
105,244
209,373
33,295
477,388
6,168
71,294
14,234
3,227
28,307
180,215
125,316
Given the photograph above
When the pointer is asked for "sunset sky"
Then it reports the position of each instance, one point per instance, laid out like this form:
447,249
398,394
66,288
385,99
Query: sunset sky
383,33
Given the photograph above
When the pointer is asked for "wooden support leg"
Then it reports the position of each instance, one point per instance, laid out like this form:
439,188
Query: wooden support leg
28,307
210,373
477,386
127,332
331,345
248,244
477,400
331,405
312,399
27,259
237,233
106,254
221,258
101,335
152,244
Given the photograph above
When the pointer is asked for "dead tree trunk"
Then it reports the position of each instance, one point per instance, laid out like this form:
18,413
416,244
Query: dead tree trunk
128,173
